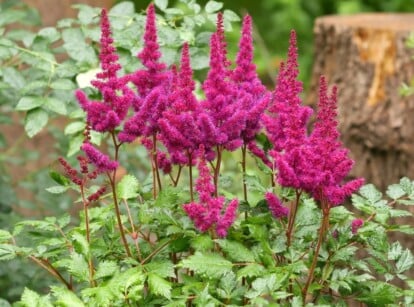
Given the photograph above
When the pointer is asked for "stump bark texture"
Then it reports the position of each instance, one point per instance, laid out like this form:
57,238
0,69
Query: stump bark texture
367,57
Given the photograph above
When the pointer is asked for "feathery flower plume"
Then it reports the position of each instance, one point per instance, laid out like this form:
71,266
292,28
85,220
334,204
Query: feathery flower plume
209,211
153,84
227,118
107,114
101,161
180,130
276,206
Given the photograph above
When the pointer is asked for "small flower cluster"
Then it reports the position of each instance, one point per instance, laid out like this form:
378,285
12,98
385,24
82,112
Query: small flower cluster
208,212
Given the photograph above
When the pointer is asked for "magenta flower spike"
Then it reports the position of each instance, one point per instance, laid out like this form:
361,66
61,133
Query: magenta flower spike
275,205
209,212
180,130
226,117
107,114
356,224
287,119
101,161
252,95
153,84
327,148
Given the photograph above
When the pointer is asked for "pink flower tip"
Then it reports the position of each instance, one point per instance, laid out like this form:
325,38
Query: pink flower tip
356,224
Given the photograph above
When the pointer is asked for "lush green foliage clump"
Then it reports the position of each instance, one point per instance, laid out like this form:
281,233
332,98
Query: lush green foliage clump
126,247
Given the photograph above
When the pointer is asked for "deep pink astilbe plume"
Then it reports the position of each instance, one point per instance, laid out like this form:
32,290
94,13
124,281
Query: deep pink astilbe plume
287,119
329,157
101,161
209,211
153,84
276,206
227,118
252,94
180,129
107,114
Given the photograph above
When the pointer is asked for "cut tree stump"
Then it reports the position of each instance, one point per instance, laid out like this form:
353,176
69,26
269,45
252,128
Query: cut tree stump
366,56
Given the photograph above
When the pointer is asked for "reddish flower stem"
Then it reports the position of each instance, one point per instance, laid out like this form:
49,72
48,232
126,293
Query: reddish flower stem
292,218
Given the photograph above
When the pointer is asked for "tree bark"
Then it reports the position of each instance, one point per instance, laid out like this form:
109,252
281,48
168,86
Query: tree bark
366,56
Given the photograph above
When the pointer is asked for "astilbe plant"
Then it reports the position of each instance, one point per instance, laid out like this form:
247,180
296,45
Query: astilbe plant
175,246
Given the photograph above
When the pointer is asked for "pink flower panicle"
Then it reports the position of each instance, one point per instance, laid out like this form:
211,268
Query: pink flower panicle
107,114
153,84
275,205
252,95
101,161
356,224
180,129
226,118
209,211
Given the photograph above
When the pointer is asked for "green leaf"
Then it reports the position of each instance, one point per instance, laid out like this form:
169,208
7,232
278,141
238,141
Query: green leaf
49,33
74,144
208,265
202,243
128,187
405,262
395,251
66,298
13,77
74,127
395,191
80,243
380,294
251,270
29,102
58,178
213,6
159,286
4,303
7,252
161,4
370,193
163,269
57,189
106,269
77,49
55,105
35,121
5,235
32,299
236,251
125,8
63,84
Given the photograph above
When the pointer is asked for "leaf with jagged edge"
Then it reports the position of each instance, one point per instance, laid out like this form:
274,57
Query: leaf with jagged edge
207,264
128,187
159,286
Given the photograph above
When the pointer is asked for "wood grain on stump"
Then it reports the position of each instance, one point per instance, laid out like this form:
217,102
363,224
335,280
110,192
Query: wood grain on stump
366,56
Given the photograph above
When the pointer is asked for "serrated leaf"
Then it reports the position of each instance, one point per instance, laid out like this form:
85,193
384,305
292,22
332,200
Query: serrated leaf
106,269
371,193
159,286
161,4
405,262
5,235
63,84
395,191
78,267
209,265
55,105
35,121
395,251
32,299
202,243
213,6
251,270
57,189
123,9
7,252
66,298
380,294
29,102
163,269
74,127
128,187
76,47
80,243
236,251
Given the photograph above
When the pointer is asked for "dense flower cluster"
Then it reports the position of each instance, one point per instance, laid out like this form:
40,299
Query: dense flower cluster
235,109
315,163
209,212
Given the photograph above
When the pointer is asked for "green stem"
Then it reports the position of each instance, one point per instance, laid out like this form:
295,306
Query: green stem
88,236
217,170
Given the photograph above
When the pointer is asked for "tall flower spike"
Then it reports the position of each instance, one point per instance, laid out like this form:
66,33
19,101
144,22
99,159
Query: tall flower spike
107,114
251,93
101,161
209,212
287,118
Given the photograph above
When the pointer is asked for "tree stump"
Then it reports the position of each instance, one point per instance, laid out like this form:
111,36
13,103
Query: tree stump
366,56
